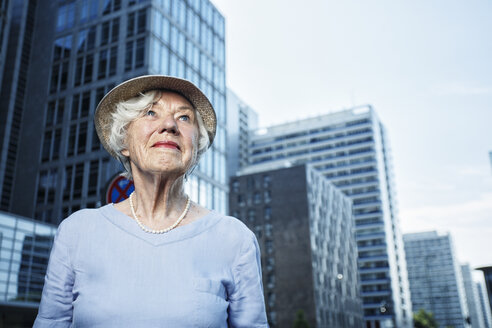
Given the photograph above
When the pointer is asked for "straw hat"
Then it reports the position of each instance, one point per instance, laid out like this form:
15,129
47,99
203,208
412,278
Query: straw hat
133,87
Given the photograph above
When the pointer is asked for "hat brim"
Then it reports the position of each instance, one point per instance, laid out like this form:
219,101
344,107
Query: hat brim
133,87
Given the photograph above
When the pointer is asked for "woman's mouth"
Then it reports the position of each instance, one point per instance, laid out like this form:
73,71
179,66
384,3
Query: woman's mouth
166,144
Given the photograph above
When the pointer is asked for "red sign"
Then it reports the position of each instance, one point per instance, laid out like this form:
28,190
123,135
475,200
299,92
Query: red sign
119,189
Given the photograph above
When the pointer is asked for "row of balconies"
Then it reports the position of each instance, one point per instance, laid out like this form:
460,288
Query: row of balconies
259,142
292,155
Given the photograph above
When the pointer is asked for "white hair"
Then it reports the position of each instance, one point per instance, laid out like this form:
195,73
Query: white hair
128,111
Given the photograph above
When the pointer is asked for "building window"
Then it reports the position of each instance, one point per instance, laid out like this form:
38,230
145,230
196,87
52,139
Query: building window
56,110
135,54
273,317
105,33
269,246
96,144
107,62
93,178
52,135
259,232
251,216
137,22
81,109
268,230
89,63
66,17
257,197
47,186
235,186
88,10
161,26
110,6
140,53
59,69
271,299
78,180
270,280
240,200
129,56
82,138
86,39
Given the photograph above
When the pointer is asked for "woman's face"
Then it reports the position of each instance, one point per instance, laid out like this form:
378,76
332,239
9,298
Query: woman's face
165,139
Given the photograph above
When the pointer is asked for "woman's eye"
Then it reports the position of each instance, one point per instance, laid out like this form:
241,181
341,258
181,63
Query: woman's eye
184,118
150,113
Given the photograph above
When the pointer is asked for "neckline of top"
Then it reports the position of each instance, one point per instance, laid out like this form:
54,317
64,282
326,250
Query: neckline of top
129,225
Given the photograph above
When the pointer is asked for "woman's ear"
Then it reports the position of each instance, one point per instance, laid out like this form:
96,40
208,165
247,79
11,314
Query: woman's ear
125,152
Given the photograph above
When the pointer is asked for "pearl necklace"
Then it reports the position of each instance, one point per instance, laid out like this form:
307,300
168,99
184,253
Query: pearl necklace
146,229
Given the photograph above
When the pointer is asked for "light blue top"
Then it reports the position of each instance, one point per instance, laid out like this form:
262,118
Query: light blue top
104,271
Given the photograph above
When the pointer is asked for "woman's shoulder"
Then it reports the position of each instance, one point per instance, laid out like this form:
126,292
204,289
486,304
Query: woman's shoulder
87,218
232,227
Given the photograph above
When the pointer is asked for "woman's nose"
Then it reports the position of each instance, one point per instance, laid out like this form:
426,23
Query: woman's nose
169,125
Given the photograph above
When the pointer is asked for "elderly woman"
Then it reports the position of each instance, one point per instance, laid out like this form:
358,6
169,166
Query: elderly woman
156,259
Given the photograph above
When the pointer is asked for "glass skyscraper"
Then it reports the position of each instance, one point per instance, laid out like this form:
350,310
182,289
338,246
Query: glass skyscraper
83,48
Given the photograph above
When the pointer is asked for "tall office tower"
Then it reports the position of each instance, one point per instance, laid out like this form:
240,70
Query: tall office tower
82,49
25,248
241,119
16,34
484,302
304,226
350,148
472,298
436,284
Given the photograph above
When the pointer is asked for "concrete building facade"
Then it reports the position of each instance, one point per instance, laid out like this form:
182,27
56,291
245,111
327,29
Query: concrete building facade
436,283
83,48
351,149
304,227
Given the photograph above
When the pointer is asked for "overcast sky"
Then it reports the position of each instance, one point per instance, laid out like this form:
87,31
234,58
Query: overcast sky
424,65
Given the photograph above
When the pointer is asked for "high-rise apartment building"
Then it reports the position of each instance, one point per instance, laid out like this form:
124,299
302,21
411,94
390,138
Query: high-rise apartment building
351,149
436,284
80,50
241,120
472,298
304,226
